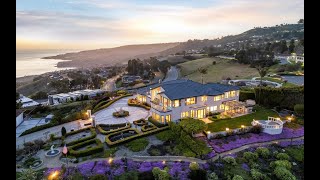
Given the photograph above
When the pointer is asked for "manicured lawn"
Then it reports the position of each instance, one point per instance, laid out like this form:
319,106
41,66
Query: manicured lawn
137,145
232,123
221,70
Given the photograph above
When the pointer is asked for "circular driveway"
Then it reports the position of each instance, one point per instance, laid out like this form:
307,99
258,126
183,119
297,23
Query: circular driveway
105,116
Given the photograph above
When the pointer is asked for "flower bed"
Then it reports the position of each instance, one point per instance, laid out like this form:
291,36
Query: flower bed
132,137
177,170
73,149
122,113
288,143
232,142
149,127
113,127
133,102
140,122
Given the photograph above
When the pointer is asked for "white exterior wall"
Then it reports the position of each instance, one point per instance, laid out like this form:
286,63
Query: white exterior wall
176,111
19,119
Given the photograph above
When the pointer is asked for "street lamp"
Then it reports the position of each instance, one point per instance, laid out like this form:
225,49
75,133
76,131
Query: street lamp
110,160
54,175
242,126
227,129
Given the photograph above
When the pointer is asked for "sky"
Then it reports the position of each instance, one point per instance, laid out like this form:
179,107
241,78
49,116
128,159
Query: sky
91,24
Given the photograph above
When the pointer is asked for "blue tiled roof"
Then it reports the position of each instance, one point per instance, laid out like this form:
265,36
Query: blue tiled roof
179,89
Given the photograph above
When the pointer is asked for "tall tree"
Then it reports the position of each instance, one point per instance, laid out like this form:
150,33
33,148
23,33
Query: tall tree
203,71
262,72
291,46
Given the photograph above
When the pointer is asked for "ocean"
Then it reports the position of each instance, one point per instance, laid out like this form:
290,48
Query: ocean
29,62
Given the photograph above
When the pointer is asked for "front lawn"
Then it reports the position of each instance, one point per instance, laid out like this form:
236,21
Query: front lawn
232,123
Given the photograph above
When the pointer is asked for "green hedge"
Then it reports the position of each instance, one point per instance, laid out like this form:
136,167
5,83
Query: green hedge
284,97
244,95
133,137
86,152
73,132
109,103
138,105
144,129
93,135
112,131
299,109
116,114
140,122
41,127
156,123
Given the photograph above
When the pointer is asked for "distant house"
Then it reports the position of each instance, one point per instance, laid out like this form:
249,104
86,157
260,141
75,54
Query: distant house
126,79
56,99
177,99
19,116
27,102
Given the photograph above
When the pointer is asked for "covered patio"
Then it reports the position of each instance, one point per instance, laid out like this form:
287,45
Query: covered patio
234,108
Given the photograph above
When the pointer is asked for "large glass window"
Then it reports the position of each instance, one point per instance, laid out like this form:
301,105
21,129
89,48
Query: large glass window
217,98
190,101
192,113
168,118
176,103
184,114
226,94
214,108
221,106
204,98
232,93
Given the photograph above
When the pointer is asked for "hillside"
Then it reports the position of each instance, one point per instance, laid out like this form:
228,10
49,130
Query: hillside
221,70
110,56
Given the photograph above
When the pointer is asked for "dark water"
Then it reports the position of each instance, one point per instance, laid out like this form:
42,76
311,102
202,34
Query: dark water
299,80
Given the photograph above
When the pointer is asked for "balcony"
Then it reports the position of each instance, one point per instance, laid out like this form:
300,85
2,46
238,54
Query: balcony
160,108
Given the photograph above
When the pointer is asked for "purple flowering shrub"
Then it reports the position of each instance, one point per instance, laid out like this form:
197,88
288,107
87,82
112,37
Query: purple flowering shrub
178,170
232,142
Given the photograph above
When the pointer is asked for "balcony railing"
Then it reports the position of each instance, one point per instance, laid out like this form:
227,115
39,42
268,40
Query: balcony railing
160,108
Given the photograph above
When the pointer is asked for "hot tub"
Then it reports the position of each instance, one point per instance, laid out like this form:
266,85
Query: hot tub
270,126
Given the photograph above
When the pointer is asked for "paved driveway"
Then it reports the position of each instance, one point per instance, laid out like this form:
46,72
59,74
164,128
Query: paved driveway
172,74
105,116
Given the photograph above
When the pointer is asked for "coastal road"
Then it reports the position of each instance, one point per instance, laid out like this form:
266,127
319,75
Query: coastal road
172,74
110,85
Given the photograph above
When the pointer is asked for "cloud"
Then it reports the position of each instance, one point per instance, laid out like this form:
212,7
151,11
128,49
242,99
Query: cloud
122,22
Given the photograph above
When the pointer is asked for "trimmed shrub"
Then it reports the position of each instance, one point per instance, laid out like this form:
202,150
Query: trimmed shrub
237,177
121,114
299,109
159,174
93,135
256,175
283,174
120,141
263,152
102,131
156,123
213,176
73,149
146,128
191,125
282,156
281,163
194,166
133,102
230,160
109,103
137,144
63,131
285,97
140,122
249,156
244,95
98,177
167,135
256,129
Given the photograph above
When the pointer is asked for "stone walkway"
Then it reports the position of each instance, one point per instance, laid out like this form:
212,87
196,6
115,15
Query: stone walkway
105,116
253,145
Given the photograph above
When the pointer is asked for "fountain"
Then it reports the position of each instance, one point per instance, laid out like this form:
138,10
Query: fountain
52,152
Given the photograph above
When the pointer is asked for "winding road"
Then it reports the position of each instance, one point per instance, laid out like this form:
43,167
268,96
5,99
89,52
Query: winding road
172,74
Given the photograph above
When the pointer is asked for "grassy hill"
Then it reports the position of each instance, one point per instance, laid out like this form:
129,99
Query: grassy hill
221,70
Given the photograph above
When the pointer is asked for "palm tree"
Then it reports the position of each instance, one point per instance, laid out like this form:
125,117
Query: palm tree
262,72
203,71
